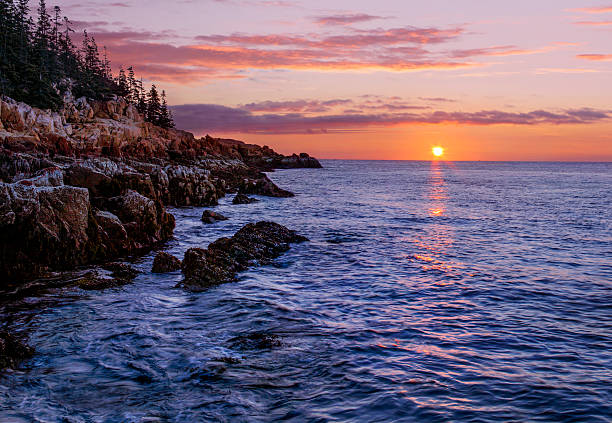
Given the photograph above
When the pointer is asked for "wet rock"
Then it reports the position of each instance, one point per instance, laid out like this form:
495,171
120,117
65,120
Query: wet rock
114,236
243,199
254,244
256,341
263,186
164,263
13,351
121,271
89,183
146,221
41,228
111,276
209,216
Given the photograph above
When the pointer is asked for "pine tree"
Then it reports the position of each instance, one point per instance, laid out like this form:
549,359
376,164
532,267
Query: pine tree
122,84
165,115
133,86
39,62
153,106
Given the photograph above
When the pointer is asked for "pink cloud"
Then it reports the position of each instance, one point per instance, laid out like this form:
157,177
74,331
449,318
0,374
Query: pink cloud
493,51
235,53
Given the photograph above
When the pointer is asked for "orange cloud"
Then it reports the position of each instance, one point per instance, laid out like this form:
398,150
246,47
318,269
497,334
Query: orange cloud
599,9
594,23
596,57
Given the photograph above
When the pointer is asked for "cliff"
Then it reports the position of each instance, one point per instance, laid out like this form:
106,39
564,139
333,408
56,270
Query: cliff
90,183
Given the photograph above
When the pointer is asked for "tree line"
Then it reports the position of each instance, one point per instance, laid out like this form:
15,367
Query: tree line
39,63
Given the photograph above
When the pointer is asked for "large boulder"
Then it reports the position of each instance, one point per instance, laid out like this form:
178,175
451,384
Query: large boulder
146,221
254,244
41,228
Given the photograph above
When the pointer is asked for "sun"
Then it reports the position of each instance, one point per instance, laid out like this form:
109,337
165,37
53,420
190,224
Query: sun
437,151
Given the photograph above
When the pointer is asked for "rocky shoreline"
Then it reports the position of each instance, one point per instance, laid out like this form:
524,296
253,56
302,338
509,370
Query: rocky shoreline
90,184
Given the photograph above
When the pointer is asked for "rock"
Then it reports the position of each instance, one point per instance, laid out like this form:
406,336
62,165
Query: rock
121,271
256,341
254,244
263,186
243,199
295,161
90,183
164,263
41,228
111,276
209,217
113,233
13,351
146,221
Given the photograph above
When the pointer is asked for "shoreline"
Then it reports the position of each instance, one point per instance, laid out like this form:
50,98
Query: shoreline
84,189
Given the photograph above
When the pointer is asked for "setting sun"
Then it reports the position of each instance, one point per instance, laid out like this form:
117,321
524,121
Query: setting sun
437,151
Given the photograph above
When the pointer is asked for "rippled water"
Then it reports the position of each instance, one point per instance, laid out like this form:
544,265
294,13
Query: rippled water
428,292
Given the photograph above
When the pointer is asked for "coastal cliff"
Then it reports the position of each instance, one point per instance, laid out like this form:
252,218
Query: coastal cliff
90,183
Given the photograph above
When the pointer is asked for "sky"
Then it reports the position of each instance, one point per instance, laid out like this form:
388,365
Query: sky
386,79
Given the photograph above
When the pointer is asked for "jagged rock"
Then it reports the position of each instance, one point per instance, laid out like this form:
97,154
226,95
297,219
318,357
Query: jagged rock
243,199
89,183
40,228
165,262
13,351
263,186
113,235
146,221
209,216
254,244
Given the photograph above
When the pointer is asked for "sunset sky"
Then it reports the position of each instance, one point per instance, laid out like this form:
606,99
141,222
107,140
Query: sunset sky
488,80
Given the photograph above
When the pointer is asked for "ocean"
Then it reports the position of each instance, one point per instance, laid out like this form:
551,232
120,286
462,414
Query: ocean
429,291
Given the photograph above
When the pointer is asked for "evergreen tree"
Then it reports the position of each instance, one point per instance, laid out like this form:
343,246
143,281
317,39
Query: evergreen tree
123,88
165,115
153,106
39,62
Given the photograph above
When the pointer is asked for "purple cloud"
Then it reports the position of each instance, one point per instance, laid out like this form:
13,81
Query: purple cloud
345,19
216,119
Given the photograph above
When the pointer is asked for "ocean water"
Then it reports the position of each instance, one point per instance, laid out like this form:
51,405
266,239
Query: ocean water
470,291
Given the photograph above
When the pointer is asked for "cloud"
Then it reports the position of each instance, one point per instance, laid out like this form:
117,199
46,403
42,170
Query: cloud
594,23
495,51
438,99
345,19
216,119
161,56
294,106
599,9
396,49
542,71
596,57
355,39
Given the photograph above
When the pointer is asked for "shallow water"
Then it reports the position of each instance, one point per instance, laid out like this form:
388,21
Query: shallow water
428,292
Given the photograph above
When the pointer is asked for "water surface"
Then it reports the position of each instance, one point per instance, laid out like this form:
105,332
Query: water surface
428,292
